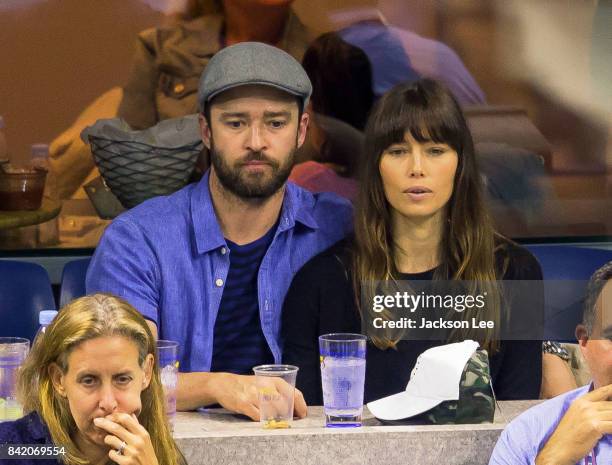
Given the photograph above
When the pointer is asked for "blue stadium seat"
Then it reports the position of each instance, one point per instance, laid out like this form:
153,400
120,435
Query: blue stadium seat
73,280
566,271
25,290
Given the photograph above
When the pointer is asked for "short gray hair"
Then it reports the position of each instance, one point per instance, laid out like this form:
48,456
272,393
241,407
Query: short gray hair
596,284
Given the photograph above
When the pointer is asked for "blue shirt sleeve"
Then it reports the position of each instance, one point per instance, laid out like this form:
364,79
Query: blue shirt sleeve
125,265
508,452
520,441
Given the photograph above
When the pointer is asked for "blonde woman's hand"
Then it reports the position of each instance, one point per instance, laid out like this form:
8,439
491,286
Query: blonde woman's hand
128,436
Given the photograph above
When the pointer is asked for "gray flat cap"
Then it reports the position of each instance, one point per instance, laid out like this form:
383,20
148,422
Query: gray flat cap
253,63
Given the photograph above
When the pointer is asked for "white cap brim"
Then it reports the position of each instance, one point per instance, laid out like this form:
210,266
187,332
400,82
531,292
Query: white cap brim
401,405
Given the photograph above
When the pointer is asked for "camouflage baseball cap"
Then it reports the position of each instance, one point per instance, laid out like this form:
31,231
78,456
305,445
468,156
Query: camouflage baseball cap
476,403
471,402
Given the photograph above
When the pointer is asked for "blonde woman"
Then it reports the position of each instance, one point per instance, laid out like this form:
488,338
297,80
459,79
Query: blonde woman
91,385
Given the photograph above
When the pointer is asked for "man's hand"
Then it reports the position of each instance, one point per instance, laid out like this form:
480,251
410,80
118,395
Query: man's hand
585,422
238,393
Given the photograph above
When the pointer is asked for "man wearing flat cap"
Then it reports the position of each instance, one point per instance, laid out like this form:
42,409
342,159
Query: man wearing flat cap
209,265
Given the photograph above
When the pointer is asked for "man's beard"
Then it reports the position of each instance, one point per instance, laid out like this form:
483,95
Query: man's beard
257,185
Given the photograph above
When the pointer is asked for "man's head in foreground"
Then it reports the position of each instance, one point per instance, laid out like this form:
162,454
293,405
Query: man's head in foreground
595,333
252,98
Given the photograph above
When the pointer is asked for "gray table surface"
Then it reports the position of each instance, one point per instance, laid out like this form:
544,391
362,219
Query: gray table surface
219,437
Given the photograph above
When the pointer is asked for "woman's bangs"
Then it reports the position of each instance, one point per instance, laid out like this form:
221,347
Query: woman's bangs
430,125
425,123
389,129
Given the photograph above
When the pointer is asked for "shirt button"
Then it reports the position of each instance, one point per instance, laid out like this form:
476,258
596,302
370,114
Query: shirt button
223,250
219,282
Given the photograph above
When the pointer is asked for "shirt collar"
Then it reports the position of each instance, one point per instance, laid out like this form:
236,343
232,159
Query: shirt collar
297,208
208,234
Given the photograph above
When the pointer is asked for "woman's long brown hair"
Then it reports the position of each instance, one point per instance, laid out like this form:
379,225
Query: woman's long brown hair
428,111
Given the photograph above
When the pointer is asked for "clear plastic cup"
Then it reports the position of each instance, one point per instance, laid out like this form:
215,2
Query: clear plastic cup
13,352
276,389
343,378
167,356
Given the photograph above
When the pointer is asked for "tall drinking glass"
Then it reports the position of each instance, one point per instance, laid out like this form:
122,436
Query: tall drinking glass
167,355
13,352
343,378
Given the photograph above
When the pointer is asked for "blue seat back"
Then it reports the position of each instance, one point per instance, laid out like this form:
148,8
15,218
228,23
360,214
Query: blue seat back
566,271
73,280
25,290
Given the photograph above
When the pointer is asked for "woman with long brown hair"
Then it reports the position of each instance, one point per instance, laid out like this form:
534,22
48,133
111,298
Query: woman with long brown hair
420,216
91,387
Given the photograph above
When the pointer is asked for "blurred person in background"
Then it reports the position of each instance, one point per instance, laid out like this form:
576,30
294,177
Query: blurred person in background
341,76
563,368
557,376
399,55
91,385
342,97
575,427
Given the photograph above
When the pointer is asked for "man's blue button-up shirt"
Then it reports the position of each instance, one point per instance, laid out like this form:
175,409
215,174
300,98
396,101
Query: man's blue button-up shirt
169,259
